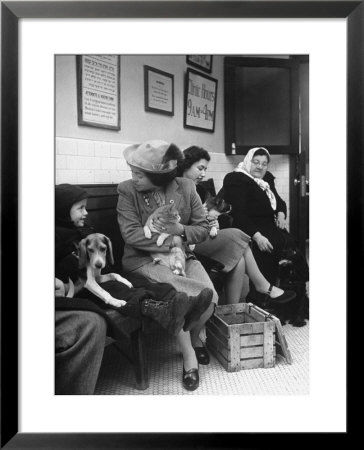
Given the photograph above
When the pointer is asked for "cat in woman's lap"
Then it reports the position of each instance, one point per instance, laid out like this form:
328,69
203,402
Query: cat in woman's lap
175,259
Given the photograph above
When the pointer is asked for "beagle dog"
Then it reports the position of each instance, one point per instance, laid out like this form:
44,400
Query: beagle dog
93,252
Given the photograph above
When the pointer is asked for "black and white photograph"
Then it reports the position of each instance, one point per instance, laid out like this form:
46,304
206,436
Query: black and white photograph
187,252
181,221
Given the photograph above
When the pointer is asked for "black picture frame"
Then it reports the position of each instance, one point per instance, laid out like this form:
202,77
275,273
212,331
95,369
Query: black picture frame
163,102
102,121
201,62
199,112
11,13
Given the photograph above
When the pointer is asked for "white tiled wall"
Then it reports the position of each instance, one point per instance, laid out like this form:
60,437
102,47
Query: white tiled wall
80,161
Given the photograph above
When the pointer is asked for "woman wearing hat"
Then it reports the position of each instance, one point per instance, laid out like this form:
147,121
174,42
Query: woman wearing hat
154,168
257,209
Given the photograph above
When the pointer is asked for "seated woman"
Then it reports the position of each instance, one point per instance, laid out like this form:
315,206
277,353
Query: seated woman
231,246
154,184
257,209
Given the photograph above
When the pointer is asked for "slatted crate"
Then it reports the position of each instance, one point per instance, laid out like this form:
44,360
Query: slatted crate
243,336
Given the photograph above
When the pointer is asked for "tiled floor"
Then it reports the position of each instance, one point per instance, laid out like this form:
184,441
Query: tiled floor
165,366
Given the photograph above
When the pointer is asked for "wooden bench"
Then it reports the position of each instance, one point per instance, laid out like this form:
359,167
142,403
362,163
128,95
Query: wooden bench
128,338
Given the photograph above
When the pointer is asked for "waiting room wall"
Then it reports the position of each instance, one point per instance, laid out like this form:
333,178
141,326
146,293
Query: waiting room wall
94,155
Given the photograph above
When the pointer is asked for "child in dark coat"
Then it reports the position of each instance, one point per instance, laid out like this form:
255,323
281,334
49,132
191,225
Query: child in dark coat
161,302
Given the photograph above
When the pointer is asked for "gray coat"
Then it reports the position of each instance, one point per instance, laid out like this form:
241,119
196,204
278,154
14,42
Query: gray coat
133,212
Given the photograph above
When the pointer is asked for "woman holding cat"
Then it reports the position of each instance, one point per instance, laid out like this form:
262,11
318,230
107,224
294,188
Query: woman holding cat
231,246
154,185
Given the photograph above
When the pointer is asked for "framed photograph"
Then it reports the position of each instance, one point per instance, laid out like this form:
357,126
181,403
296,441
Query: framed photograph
202,62
200,101
98,91
158,91
15,214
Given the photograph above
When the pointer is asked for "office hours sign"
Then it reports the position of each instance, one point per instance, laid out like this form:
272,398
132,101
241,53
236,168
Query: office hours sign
200,101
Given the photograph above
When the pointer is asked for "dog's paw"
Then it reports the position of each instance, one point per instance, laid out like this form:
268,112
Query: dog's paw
125,281
116,302
117,277
121,279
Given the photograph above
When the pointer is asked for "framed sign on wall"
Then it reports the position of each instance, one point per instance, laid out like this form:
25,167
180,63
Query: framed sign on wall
202,62
158,91
98,91
199,101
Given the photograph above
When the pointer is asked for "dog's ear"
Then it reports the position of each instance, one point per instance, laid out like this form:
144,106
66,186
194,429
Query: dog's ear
220,203
209,201
229,208
110,255
82,253
208,196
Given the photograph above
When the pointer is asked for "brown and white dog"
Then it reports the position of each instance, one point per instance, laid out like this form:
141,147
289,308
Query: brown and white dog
93,252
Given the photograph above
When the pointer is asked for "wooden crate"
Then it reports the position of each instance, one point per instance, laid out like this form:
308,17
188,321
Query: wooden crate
243,336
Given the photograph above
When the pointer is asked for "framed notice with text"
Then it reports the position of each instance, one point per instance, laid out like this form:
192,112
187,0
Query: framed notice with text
98,91
158,91
200,101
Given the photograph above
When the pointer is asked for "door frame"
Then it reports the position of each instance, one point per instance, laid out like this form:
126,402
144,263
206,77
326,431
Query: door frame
298,193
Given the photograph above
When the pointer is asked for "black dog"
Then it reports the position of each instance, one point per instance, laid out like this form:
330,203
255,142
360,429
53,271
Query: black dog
293,275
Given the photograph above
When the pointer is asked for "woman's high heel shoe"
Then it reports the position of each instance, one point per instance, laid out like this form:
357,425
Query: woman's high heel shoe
286,297
265,300
190,379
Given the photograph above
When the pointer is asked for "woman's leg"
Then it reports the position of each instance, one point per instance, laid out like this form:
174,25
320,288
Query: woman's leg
260,282
196,280
195,331
195,271
235,279
189,355
268,263
234,282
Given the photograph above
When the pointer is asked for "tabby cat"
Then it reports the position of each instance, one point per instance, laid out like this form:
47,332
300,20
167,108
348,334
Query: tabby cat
176,258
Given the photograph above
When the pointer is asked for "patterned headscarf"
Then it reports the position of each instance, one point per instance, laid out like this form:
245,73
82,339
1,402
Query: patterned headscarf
245,167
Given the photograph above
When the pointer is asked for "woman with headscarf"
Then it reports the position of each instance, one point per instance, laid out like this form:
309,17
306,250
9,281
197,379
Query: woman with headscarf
154,184
231,245
257,209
